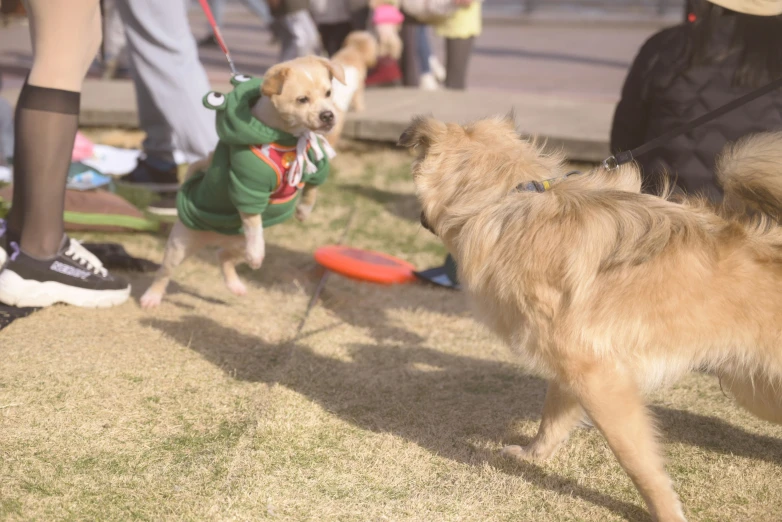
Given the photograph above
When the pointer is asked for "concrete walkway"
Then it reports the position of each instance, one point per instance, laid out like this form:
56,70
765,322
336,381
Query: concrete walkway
579,127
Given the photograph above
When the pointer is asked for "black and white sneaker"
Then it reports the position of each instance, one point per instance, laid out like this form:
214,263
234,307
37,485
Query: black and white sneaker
75,276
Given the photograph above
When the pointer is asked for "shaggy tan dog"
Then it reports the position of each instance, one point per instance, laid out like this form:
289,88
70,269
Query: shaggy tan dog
609,293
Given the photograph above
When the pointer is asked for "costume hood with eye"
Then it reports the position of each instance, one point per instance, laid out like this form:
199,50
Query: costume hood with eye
255,169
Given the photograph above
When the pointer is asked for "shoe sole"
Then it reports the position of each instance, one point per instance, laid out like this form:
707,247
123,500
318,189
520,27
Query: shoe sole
16,291
167,212
152,187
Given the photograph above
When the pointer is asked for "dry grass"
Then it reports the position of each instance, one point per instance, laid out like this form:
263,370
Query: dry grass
391,407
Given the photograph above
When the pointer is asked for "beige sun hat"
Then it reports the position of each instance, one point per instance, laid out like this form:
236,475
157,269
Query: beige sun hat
752,7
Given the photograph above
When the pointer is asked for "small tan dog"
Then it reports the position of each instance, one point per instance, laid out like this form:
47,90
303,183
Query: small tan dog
268,154
357,55
609,293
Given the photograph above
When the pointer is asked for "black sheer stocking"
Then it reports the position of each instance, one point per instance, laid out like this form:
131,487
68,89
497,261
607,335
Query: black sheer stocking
45,128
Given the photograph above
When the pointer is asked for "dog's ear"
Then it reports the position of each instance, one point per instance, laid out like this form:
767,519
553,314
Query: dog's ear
511,117
335,69
274,79
421,132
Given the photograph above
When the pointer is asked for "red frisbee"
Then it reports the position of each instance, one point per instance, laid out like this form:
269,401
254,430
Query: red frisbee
365,265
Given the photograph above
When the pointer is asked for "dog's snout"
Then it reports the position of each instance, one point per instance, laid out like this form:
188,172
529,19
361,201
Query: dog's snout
327,117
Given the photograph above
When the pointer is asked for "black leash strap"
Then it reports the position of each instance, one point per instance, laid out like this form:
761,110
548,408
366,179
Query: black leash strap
627,156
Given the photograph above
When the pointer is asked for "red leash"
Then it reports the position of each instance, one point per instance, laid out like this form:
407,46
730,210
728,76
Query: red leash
218,36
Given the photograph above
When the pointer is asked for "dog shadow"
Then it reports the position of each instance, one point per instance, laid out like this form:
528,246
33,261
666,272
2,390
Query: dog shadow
455,406
141,281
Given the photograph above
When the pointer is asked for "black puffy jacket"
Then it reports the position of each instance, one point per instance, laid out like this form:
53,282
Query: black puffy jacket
661,93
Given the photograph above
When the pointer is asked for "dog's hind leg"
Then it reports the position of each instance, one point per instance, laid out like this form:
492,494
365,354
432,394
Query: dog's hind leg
755,393
613,401
228,258
561,413
181,243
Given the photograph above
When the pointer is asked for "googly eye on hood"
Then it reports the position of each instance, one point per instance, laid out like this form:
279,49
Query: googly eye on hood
240,78
215,100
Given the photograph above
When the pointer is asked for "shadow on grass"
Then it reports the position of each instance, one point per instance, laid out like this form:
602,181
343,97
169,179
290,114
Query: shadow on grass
140,283
448,404
360,304
452,405
363,305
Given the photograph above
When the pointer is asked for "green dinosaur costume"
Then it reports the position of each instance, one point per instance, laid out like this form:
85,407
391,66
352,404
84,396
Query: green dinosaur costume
252,167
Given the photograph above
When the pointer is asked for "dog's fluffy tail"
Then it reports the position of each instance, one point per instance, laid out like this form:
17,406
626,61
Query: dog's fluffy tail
750,173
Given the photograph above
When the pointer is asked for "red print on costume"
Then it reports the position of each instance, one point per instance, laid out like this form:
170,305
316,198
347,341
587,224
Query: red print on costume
280,159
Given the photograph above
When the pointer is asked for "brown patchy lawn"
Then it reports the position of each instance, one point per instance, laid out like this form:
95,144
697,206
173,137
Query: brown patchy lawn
391,407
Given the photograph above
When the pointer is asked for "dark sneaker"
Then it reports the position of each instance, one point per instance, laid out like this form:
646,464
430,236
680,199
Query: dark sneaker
442,275
75,276
165,208
152,177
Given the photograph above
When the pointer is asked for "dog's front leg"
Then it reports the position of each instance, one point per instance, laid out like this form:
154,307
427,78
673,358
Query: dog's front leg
307,202
357,104
611,398
561,413
255,247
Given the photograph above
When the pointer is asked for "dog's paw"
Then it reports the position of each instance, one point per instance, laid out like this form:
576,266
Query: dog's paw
303,212
254,259
150,299
532,452
236,287
255,252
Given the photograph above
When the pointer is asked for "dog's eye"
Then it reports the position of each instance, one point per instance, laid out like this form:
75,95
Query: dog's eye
328,93
303,99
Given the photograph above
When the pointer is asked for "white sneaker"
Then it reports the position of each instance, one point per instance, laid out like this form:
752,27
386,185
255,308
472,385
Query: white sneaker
428,82
437,68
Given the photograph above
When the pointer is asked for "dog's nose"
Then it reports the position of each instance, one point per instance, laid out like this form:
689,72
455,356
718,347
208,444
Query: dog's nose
327,117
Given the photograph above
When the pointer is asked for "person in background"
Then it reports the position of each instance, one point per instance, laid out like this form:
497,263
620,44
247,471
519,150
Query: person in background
258,7
432,71
334,22
294,28
44,265
115,55
338,18
680,73
386,21
170,84
459,30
